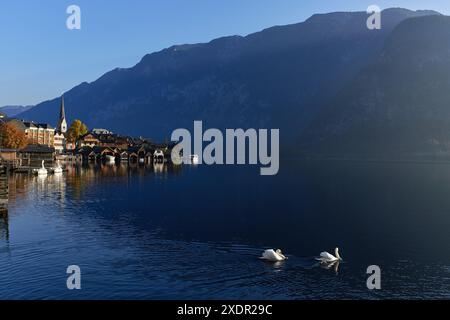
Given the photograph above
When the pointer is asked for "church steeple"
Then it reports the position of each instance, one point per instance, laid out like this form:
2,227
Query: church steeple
62,124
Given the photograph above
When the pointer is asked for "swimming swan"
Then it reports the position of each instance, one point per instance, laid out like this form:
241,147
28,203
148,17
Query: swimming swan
273,256
327,257
42,171
58,168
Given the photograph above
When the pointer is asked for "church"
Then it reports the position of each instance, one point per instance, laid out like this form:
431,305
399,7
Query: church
61,130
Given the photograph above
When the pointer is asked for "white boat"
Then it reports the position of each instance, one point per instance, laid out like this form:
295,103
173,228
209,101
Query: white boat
158,156
110,159
191,159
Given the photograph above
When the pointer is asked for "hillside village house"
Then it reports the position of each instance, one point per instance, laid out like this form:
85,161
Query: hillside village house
59,142
96,138
103,138
88,140
113,141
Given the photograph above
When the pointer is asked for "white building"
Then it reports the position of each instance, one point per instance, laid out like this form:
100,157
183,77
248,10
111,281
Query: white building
59,142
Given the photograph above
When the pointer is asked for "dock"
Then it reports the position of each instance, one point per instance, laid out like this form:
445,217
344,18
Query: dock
4,190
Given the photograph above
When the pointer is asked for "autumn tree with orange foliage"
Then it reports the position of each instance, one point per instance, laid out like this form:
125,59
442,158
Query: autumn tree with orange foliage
12,137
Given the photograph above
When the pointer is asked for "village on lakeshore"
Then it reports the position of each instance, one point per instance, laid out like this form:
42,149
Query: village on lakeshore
25,144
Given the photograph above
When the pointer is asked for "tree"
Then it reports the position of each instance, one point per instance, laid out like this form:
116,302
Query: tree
12,137
76,130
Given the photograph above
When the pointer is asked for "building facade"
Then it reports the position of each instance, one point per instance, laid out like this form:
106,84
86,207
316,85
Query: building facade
60,142
88,140
39,133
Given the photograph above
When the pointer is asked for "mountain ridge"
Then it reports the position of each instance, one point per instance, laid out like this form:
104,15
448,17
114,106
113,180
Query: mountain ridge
397,106
278,77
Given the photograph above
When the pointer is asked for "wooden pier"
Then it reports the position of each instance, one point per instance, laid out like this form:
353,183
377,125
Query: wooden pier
4,191
4,224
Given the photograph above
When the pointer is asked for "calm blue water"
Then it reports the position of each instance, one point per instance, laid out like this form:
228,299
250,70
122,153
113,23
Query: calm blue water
197,232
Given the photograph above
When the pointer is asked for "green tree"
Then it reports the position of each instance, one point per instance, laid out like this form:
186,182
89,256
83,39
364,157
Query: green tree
76,130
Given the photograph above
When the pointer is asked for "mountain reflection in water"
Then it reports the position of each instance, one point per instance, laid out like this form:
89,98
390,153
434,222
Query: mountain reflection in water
197,231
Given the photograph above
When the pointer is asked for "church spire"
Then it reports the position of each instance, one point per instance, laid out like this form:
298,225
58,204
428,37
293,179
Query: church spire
62,124
62,112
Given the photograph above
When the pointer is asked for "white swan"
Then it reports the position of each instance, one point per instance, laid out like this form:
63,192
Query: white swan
327,257
58,168
273,256
42,171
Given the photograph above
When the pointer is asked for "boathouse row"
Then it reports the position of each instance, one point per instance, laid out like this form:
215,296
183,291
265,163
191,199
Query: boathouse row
133,154
31,156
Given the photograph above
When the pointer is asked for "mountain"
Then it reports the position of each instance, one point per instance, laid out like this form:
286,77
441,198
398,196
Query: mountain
277,78
11,111
397,106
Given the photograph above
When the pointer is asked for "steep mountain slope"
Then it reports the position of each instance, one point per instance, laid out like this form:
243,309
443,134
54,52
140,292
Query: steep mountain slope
11,111
400,105
277,78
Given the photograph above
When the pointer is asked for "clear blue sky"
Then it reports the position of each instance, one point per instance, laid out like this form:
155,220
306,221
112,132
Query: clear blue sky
40,57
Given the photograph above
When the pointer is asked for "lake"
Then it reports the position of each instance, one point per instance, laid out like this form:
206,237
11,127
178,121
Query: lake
196,232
